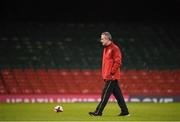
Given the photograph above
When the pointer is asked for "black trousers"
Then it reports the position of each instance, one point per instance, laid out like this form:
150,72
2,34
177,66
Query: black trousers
112,87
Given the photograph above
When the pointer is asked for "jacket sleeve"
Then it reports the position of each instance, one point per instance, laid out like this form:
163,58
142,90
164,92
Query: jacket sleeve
116,60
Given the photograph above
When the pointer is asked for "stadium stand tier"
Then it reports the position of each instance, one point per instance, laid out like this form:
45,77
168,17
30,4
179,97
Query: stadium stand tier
58,81
65,58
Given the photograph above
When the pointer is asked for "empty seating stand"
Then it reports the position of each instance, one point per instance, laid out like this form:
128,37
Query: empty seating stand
56,45
59,81
65,58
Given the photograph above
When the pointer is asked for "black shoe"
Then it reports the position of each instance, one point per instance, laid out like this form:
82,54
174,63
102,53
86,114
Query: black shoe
95,114
124,114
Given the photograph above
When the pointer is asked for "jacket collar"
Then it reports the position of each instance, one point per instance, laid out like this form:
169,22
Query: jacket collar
109,45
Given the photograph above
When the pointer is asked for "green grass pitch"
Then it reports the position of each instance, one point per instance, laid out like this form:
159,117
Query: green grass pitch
79,112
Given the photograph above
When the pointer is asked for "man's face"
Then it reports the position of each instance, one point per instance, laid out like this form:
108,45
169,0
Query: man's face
104,40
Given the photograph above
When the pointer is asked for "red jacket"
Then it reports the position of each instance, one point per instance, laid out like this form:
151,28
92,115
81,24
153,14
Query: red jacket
111,62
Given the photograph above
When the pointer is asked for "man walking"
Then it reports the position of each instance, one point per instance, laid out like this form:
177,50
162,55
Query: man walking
111,63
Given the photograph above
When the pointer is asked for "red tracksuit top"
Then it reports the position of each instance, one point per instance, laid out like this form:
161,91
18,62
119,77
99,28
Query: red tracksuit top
111,62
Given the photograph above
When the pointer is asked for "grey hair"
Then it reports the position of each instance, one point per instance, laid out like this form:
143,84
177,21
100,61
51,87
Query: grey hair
107,34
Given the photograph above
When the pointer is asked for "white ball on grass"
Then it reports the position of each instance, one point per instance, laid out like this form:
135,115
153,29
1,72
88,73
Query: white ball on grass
58,108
